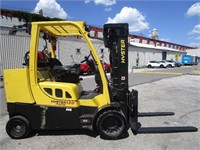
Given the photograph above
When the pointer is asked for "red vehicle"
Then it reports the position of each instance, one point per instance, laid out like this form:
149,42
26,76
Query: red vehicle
87,66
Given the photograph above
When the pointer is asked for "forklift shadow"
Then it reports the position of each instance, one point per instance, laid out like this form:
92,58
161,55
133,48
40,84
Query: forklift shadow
62,132
70,132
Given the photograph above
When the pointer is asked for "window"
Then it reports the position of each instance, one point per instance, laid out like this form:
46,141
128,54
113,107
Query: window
59,93
67,95
48,90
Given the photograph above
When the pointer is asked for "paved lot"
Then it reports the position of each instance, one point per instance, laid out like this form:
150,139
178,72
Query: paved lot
179,94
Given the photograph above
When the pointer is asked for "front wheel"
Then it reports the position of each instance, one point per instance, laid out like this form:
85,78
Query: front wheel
18,127
149,66
170,66
111,124
161,66
89,72
108,70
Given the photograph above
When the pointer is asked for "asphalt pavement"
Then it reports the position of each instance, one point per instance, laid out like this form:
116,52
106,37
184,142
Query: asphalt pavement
165,92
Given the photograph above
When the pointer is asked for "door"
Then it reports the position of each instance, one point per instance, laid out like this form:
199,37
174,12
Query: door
164,55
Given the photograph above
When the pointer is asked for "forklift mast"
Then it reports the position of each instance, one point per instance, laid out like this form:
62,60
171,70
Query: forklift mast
116,40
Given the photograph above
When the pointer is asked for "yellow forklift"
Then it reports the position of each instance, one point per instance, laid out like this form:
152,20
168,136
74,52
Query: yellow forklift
45,94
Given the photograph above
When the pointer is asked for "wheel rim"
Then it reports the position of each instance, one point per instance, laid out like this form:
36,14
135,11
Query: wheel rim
112,126
18,129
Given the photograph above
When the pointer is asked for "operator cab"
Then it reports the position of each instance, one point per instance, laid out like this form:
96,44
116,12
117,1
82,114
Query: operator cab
60,78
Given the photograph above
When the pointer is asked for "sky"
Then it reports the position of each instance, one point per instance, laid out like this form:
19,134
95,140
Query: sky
177,21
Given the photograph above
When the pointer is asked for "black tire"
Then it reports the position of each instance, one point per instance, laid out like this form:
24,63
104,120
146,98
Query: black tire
18,127
108,71
170,66
111,125
161,66
149,66
80,72
89,72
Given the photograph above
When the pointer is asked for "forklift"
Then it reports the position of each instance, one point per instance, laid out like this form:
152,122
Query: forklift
46,95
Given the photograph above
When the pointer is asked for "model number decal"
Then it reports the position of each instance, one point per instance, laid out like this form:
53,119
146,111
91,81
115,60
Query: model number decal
62,102
123,53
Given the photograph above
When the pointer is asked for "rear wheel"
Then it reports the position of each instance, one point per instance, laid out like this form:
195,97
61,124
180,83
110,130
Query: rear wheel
111,124
149,66
80,72
161,66
18,127
108,70
89,72
170,66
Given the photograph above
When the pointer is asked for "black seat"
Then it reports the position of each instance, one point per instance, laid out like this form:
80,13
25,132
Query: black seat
63,74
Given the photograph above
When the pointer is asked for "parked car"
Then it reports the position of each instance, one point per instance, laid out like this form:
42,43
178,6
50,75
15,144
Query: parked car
177,64
156,64
170,63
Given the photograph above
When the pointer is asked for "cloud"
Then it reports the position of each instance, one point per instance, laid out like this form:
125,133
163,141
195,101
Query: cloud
87,1
195,36
51,8
131,16
166,40
196,29
105,2
194,10
102,2
195,44
108,9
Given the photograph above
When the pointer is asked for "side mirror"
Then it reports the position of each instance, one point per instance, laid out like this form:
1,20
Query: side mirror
87,28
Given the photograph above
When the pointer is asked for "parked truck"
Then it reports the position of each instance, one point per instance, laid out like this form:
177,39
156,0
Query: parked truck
189,60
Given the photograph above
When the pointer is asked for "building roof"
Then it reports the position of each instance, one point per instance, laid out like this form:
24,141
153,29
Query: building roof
156,47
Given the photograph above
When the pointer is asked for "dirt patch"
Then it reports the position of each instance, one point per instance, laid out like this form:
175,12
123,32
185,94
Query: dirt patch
195,70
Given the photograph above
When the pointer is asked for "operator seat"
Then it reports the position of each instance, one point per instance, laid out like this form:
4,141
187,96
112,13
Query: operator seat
44,60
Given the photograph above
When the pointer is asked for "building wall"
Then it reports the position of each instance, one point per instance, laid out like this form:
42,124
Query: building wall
12,51
143,55
68,48
14,47
194,52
